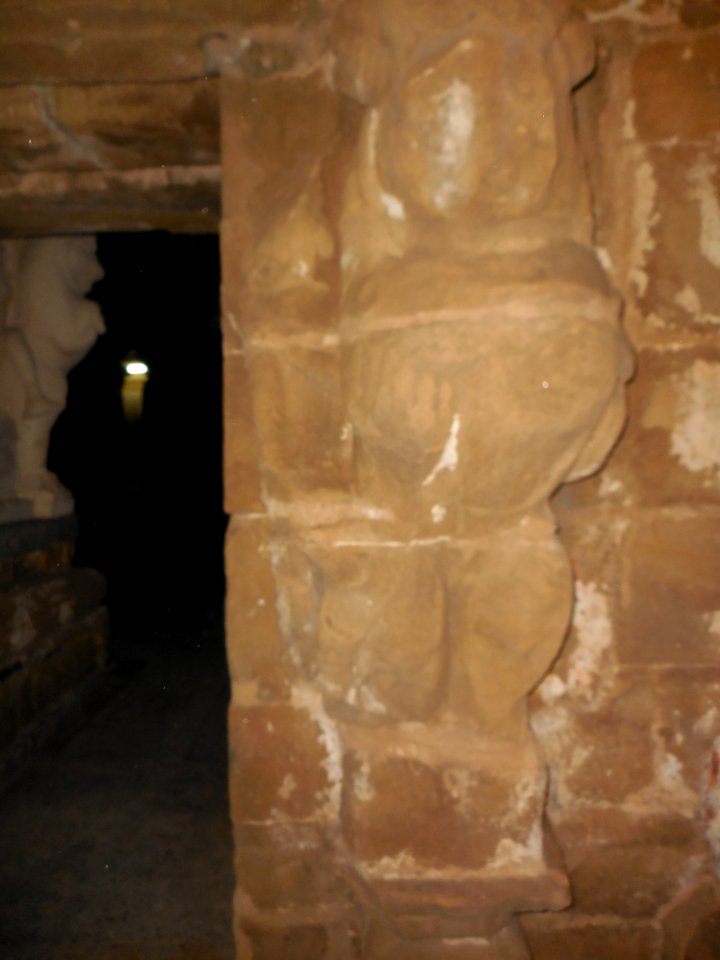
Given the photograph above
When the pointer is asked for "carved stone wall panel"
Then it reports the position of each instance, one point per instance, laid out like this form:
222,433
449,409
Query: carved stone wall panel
430,348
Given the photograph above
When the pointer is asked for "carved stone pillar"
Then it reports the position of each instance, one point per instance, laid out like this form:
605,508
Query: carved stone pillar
421,346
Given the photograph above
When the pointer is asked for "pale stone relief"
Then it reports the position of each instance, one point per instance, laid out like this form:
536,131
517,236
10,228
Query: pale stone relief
48,327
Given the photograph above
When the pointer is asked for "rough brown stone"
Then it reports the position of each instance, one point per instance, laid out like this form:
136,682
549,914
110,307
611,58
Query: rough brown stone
375,647
72,42
676,89
280,764
299,419
291,867
408,810
670,591
109,126
700,13
257,653
629,864
243,482
179,199
279,135
556,937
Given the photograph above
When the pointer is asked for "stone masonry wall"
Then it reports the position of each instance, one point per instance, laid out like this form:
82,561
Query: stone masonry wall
421,345
630,715
53,631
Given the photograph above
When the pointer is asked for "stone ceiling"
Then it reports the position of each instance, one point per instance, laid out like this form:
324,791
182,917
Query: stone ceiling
109,116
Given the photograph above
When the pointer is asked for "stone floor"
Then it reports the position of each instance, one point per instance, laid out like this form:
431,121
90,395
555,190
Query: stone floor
116,844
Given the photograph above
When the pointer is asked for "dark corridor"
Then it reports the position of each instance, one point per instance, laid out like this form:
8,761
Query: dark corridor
149,493
115,836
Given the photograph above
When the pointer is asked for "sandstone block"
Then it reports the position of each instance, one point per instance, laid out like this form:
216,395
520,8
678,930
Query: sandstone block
561,937
425,400
413,817
257,652
277,136
240,450
683,265
676,90
500,591
670,452
626,864
669,591
299,420
281,767
289,867
378,625
700,13
508,944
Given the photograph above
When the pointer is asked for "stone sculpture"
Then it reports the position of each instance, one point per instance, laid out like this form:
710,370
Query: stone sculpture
451,347
49,326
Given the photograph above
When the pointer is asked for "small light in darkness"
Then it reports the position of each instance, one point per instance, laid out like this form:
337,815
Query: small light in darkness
136,368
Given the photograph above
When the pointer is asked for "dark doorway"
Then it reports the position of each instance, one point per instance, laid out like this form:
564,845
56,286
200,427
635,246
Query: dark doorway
116,839
148,492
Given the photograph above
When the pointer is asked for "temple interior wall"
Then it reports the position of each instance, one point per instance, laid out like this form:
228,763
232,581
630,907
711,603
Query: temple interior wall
454,776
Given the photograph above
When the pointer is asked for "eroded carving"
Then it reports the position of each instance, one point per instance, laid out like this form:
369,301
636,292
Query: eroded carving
49,326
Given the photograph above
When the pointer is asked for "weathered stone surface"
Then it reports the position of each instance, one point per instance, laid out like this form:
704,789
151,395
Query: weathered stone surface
670,594
282,764
179,199
291,867
683,266
243,484
700,13
109,126
552,937
508,944
672,434
257,652
77,651
299,418
375,647
685,73
278,135
32,611
461,369
411,813
630,864
71,42
422,232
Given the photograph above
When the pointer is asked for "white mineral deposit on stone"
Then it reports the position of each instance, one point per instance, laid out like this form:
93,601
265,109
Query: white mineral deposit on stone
628,129
635,10
688,299
449,457
362,788
308,698
708,722
695,439
287,787
609,485
438,513
301,268
594,635
701,177
645,216
552,688
456,111
393,205
512,853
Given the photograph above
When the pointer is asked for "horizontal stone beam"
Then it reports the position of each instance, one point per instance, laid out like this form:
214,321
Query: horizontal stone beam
109,126
78,41
179,199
